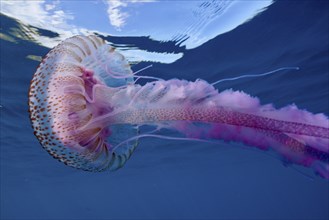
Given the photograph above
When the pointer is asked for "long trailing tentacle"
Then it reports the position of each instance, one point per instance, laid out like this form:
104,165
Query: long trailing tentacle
255,75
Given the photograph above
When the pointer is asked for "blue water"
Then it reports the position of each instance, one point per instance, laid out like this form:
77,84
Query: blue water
171,179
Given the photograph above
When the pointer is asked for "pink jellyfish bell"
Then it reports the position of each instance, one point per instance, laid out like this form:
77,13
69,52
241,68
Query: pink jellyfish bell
63,101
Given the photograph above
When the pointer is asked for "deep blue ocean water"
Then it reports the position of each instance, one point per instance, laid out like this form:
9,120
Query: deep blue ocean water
171,179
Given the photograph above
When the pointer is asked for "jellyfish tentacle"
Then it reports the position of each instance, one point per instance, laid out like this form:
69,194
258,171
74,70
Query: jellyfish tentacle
147,67
255,75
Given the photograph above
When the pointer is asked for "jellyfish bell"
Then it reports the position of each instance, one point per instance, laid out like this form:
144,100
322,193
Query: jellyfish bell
62,101
85,109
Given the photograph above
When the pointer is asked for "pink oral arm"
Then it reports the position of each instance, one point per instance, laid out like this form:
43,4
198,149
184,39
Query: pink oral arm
220,115
197,110
250,129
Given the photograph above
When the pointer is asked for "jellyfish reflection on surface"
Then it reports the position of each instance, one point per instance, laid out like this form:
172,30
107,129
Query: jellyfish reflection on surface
85,108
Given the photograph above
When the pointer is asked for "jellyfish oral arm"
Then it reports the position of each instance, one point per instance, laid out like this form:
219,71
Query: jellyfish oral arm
178,100
292,140
298,136
219,115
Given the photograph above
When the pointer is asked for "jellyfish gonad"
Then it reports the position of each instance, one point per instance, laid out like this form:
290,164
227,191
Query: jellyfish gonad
86,109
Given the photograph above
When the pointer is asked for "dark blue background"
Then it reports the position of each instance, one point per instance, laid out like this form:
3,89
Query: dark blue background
170,179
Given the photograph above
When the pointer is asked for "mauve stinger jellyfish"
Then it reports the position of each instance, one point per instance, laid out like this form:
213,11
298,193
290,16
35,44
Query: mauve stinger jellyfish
86,108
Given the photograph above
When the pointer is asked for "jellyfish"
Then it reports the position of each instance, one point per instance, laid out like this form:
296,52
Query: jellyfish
86,109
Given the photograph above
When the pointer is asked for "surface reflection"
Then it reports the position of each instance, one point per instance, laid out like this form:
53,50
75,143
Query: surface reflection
188,24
